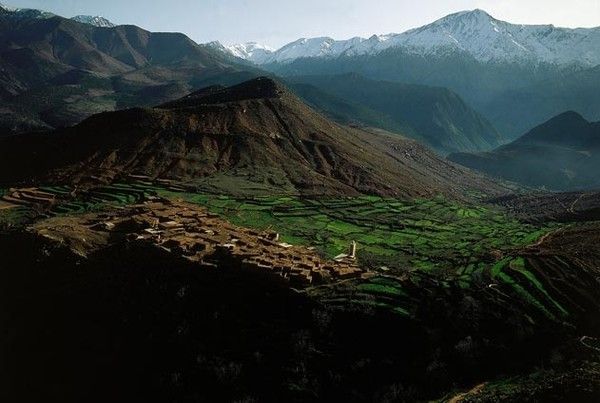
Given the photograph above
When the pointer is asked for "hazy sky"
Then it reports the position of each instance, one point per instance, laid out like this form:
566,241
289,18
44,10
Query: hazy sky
276,22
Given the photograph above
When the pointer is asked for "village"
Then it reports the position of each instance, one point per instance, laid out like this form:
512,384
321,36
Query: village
203,238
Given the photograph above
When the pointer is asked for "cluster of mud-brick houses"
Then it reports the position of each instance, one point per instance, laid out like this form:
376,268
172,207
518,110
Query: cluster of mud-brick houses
212,242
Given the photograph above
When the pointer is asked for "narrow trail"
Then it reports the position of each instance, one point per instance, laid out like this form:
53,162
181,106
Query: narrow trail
460,397
545,238
571,208
5,205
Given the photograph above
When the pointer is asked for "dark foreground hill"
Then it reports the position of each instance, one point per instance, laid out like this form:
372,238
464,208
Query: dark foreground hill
98,309
255,135
561,154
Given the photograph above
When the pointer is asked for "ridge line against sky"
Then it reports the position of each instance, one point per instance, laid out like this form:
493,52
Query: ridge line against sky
276,23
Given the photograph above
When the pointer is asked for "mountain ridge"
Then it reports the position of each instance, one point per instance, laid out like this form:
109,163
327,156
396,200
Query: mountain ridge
475,32
255,135
562,154
97,21
57,71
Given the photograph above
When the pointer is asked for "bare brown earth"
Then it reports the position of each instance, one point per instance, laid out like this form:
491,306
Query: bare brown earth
256,132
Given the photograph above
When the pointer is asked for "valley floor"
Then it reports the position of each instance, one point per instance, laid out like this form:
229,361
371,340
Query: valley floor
453,299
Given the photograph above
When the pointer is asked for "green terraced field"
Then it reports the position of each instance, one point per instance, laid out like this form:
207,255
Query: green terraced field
433,235
453,242
424,234
376,293
514,272
439,238
13,216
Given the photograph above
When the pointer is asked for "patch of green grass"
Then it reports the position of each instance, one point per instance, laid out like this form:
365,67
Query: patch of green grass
380,289
498,266
401,311
531,277
526,295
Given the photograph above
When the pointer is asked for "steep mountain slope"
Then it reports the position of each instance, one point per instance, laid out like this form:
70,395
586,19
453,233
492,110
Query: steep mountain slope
503,92
255,135
59,71
435,116
561,154
344,111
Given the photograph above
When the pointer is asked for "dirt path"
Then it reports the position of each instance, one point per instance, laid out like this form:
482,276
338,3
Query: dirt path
544,238
459,398
571,208
6,206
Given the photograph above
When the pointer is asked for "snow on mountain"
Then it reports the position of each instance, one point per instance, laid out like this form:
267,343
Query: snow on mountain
473,32
96,21
23,13
252,51
488,39
4,7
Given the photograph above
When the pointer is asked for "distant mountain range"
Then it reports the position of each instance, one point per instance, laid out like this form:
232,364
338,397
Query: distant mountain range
561,154
70,70
27,13
515,75
251,51
475,33
55,72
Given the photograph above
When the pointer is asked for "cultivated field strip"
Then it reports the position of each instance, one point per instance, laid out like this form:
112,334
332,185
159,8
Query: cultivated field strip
459,244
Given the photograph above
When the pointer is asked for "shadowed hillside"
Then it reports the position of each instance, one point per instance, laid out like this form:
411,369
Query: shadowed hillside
561,154
256,132
434,116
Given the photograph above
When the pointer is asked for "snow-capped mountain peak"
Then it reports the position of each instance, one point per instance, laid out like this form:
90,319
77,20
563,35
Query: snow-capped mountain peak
96,21
252,51
475,33
4,7
488,39
304,47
